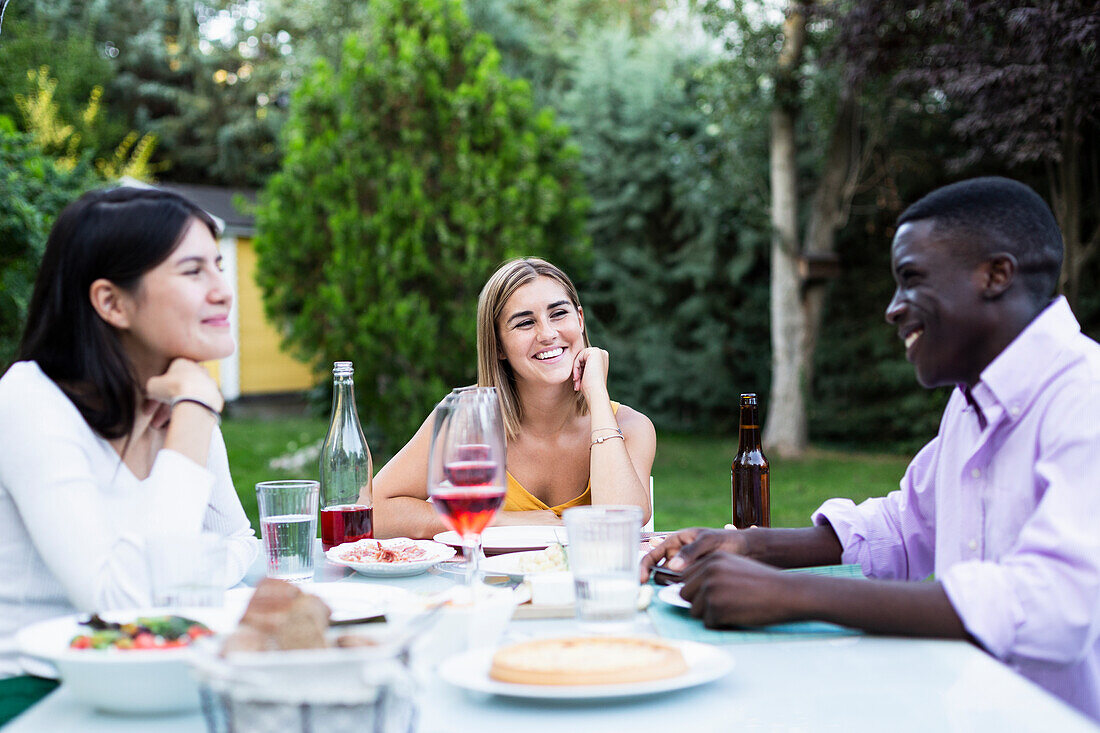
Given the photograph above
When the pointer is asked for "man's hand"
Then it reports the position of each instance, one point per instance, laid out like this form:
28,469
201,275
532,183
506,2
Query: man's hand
728,590
683,548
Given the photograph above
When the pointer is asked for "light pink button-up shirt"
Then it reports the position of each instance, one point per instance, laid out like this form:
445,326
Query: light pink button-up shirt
1007,517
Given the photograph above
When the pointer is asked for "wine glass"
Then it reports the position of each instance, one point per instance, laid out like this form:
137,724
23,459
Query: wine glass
466,475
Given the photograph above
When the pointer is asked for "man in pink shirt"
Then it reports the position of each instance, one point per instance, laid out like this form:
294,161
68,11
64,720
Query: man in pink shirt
1001,509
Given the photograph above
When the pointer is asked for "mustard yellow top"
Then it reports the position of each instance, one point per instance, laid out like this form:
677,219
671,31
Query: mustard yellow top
519,499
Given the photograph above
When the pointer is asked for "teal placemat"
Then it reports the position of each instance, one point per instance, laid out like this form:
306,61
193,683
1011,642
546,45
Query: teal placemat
19,693
677,623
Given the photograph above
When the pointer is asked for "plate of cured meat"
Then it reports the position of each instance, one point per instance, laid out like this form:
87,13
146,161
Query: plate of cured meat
390,558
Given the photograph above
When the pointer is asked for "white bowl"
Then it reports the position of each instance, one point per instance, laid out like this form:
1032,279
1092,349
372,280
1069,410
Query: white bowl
130,681
461,625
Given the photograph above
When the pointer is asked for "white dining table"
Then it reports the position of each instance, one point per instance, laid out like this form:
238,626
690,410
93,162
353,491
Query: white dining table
841,683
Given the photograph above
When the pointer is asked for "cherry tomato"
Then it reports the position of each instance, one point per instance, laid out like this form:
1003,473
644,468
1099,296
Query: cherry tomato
145,641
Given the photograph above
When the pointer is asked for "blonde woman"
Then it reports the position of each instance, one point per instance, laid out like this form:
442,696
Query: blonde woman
568,443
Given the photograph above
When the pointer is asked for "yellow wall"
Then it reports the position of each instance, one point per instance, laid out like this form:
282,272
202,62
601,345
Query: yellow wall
264,366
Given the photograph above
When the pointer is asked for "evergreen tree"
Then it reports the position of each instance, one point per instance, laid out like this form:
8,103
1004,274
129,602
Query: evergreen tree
35,190
410,173
674,161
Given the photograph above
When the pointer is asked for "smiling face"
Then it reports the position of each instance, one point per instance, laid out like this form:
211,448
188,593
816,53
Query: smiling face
180,308
541,332
939,308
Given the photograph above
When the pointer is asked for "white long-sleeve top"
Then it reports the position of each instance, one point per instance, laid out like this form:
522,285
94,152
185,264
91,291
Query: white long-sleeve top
74,520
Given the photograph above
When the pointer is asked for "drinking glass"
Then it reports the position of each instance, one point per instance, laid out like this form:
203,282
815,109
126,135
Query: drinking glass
288,524
466,475
603,556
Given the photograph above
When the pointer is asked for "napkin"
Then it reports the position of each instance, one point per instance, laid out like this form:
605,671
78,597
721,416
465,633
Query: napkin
678,623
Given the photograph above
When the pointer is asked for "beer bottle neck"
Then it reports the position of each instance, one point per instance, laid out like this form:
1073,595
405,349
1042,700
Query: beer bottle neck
749,434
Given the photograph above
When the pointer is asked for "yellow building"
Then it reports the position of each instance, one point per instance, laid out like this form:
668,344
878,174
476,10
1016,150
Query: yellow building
259,366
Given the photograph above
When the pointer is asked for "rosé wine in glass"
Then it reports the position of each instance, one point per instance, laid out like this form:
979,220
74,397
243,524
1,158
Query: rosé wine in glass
466,474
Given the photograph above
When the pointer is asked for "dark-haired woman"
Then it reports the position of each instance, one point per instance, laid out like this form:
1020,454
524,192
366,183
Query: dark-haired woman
108,424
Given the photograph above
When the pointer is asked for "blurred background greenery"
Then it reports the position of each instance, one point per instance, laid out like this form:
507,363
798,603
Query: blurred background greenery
404,147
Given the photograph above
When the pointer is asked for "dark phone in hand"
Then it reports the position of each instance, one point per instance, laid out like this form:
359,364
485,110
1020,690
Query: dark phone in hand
664,576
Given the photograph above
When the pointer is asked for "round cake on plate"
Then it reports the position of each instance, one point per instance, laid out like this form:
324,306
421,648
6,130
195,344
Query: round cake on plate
599,660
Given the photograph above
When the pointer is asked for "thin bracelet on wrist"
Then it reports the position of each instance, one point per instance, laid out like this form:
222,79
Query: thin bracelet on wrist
201,403
617,434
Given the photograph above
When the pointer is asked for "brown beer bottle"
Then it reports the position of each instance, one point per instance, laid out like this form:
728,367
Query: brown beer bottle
751,501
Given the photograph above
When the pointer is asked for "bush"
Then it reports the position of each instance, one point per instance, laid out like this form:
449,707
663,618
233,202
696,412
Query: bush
35,190
679,285
409,174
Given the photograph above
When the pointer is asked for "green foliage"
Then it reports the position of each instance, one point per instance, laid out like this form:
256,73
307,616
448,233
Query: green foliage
410,173
674,159
35,190
66,140
34,37
201,99
539,40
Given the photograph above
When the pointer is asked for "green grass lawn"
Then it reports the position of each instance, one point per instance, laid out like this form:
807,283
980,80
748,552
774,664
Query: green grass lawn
691,474
253,443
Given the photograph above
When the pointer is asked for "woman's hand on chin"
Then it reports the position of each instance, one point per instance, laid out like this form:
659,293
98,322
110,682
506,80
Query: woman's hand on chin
535,516
590,372
184,378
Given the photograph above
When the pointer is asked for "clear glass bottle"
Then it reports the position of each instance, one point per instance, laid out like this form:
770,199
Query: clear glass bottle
749,472
347,505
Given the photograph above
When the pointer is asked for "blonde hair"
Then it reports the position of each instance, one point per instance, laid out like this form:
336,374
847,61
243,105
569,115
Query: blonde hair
492,370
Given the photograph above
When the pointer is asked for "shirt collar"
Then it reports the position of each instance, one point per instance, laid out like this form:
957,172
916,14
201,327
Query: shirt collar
1013,377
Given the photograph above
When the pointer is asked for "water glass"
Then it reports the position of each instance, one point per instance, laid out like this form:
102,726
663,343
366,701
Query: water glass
288,524
187,570
603,556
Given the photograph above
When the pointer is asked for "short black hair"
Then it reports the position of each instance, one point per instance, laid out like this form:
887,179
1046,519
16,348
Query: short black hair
117,234
993,214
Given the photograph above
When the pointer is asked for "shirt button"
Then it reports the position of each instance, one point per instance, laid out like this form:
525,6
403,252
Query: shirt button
1015,411
975,473
973,545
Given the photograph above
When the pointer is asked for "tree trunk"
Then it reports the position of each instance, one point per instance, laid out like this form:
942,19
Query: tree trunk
797,307
828,213
785,426
1066,199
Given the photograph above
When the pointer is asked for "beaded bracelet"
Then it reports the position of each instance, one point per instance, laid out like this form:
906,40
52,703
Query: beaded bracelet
202,403
617,434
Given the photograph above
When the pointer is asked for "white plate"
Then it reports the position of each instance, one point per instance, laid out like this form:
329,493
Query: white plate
509,564
134,681
670,594
498,540
346,600
470,671
437,553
